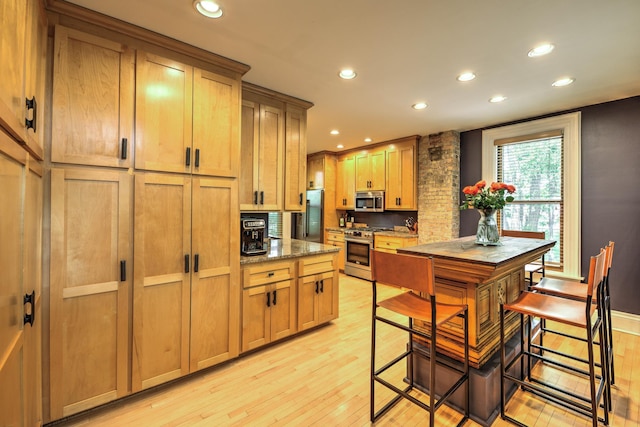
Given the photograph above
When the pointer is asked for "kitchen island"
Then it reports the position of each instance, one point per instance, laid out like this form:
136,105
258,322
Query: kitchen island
481,277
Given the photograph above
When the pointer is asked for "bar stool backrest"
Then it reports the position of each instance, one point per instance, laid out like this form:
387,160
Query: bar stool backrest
403,271
596,274
609,261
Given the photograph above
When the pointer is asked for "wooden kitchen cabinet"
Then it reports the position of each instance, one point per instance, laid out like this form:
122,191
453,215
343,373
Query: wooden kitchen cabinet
336,238
391,243
13,331
186,294
295,159
268,303
262,135
186,118
401,187
90,282
23,33
370,170
93,96
215,277
317,290
345,182
315,172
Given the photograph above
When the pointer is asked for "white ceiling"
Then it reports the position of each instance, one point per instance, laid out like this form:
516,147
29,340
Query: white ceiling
412,50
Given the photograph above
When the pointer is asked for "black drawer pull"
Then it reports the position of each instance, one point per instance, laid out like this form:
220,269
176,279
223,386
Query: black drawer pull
186,263
317,286
197,157
300,199
262,197
274,297
31,300
188,157
123,153
32,105
123,271
271,274
255,197
322,285
268,299
196,263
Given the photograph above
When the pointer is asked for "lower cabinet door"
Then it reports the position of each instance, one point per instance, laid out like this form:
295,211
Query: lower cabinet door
308,288
282,309
89,289
256,317
328,297
161,294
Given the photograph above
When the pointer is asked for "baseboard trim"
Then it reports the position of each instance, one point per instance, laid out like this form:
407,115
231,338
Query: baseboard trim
625,322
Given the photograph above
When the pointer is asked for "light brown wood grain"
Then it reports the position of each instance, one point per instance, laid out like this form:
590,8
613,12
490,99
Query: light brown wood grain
295,159
298,382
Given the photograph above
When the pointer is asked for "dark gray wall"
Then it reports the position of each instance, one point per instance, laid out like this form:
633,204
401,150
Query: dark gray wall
610,190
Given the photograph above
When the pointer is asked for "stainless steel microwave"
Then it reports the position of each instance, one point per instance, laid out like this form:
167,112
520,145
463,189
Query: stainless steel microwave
369,201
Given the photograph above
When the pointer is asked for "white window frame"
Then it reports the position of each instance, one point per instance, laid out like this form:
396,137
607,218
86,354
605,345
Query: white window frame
570,125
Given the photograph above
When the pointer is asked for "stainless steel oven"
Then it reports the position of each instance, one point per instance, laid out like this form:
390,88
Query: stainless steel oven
357,252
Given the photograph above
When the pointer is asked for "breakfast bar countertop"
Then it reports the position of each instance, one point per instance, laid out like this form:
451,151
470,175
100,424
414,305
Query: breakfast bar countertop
289,248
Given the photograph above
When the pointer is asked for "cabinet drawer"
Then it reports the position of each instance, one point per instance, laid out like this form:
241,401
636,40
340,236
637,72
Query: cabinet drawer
335,237
389,242
266,273
315,265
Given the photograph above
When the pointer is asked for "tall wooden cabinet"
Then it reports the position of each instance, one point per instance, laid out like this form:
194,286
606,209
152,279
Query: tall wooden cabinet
295,159
402,172
90,284
345,182
145,253
23,53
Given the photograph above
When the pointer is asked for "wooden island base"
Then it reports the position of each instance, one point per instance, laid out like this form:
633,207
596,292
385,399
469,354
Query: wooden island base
481,277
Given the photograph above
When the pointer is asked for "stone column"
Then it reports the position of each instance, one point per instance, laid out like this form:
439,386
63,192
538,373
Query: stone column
439,187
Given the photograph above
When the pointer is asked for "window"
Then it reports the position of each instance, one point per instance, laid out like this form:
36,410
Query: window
558,213
535,164
275,224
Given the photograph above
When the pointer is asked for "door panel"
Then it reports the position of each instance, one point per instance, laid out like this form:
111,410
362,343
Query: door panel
161,282
90,237
163,114
215,118
93,90
215,293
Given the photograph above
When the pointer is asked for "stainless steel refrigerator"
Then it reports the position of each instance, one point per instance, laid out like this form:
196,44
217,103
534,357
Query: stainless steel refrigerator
309,225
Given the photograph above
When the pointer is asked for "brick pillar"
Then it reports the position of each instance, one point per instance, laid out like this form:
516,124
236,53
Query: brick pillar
439,187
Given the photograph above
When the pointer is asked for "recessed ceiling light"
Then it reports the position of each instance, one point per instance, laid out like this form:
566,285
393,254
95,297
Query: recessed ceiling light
368,140
497,98
563,82
339,146
208,8
335,132
419,106
347,74
465,77
540,50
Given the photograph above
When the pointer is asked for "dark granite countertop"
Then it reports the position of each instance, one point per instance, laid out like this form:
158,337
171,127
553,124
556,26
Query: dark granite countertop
401,234
289,248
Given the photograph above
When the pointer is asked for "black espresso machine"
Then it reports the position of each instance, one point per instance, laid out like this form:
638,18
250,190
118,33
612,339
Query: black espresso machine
252,236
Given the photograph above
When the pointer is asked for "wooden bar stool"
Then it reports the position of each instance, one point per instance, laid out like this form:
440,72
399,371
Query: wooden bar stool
587,315
575,290
416,275
534,267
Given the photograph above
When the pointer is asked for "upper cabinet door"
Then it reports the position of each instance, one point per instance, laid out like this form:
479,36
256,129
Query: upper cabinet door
216,121
163,114
12,53
295,159
93,87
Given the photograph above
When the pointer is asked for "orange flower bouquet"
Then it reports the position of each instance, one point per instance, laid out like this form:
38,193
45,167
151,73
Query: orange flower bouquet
480,196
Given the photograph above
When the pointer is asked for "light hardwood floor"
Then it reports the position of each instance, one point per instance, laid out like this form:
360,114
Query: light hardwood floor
322,378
